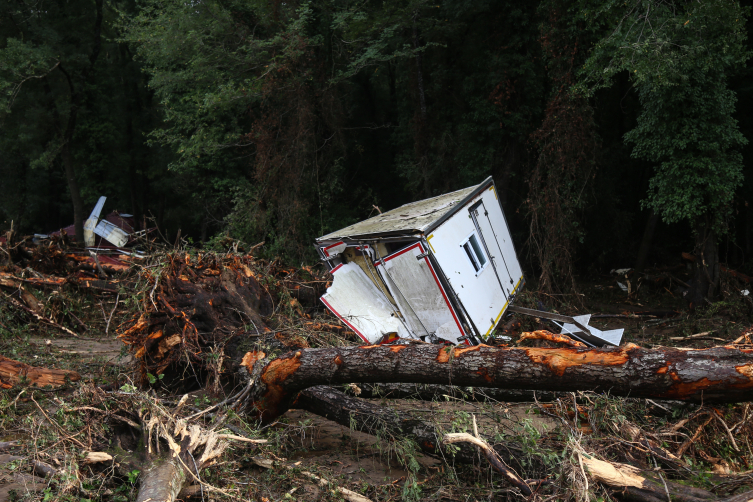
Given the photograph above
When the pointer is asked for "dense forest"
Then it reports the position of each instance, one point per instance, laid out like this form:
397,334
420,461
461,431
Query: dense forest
618,133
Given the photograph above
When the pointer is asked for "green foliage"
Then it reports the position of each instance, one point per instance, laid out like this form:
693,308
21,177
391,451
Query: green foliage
133,476
154,379
280,122
679,56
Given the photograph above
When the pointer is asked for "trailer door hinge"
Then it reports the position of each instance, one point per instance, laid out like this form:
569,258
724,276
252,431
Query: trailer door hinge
422,256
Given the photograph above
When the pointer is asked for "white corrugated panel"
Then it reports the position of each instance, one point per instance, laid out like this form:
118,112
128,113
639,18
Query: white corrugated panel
355,299
419,294
111,233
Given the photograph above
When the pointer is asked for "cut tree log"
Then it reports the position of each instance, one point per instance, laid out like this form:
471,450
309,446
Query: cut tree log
719,374
15,372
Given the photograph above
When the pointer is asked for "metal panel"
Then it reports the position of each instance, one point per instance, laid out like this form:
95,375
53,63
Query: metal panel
416,216
355,299
98,208
111,233
416,288
480,293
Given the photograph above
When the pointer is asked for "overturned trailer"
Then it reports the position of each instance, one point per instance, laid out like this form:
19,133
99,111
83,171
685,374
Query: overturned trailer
443,268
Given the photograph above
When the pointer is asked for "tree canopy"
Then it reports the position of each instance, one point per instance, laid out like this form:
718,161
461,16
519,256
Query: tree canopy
281,121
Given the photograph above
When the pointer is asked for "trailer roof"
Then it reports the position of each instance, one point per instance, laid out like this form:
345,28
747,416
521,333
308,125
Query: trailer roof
419,216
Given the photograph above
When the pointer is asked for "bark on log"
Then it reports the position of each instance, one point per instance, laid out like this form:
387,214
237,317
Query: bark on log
378,420
162,482
437,392
15,372
720,374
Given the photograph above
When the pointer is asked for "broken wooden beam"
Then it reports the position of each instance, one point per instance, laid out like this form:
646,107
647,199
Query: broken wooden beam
15,372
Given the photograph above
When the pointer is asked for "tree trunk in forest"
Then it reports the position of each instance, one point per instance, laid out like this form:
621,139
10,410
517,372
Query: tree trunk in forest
648,236
705,281
65,152
73,187
720,374
420,140
419,72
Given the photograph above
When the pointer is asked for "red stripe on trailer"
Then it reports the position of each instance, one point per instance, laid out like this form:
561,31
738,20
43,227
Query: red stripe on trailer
331,246
343,319
436,279
395,255
336,268
444,295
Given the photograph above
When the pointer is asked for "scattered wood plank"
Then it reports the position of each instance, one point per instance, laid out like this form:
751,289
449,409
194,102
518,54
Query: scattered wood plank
15,372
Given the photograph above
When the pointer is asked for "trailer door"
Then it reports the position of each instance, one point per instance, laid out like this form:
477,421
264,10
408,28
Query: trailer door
494,245
416,288
358,303
475,252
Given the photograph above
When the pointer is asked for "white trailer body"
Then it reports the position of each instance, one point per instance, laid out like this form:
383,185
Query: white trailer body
443,267
475,251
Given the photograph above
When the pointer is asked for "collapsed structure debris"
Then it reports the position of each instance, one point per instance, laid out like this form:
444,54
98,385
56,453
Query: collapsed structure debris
443,268
111,234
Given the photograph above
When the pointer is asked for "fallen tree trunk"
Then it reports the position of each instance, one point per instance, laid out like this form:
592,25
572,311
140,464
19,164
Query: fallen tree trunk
380,421
15,372
720,374
438,392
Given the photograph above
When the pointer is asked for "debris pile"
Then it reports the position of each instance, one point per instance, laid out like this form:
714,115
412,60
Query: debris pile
221,316
196,306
